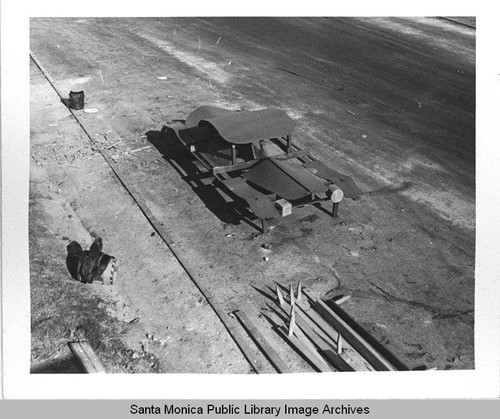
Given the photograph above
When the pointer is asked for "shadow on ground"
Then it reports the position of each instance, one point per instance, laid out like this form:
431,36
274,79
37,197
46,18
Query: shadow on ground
65,365
201,182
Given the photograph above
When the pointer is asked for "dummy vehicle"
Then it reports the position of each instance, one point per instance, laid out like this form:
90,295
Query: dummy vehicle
251,156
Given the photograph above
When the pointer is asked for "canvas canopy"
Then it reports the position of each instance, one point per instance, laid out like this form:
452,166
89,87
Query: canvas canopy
243,127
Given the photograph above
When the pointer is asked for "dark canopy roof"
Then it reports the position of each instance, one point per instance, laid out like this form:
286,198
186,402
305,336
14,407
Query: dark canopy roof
242,127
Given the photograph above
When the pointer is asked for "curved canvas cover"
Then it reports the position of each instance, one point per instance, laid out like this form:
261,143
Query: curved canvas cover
205,112
245,126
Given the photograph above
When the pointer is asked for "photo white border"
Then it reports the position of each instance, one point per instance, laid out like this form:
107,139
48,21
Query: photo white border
483,382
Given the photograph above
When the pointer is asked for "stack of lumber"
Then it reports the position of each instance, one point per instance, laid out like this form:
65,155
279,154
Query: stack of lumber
324,336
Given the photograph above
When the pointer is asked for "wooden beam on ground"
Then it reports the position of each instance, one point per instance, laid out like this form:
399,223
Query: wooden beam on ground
304,340
309,356
353,338
313,319
310,349
329,335
268,351
326,346
86,357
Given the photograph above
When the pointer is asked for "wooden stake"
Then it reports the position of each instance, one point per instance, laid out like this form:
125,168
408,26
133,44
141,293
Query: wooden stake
280,296
339,344
299,291
292,297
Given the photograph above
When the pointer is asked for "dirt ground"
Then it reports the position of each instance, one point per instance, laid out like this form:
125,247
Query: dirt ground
390,102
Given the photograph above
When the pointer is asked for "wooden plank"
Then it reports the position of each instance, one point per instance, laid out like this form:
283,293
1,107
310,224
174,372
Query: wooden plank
233,167
304,340
328,350
262,343
329,335
321,327
248,164
293,155
309,356
326,346
86,357
354,339
204,162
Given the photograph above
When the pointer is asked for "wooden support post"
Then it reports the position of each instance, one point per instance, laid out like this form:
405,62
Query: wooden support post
264,226
292,296
262,343
86,357
288,143
335,210
233,153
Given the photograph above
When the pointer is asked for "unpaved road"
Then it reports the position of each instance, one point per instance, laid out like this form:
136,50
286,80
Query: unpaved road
389,101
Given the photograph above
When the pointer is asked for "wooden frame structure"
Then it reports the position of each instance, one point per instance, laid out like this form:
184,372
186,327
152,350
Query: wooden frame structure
231,147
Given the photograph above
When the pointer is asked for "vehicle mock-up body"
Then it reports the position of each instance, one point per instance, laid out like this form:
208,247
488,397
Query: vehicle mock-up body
252,157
